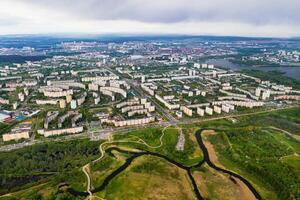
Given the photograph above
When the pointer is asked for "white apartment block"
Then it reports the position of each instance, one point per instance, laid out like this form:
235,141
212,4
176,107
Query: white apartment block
58,94
108,93
266,95
115,90
247,104
99,78
225,108
257,92
146,88
200,112
128,103
97,100
167,104
73,104
44,102
208,110
133,112
288,97
130,108
93,87
132,122
55,132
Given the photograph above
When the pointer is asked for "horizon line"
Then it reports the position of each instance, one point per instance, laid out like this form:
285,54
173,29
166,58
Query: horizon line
122,34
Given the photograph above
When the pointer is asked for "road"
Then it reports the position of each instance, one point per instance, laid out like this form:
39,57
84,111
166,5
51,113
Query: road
24,103
129,129
159,108
136,87
296,137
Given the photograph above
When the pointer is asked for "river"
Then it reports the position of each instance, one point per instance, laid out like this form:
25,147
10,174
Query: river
189,170
292,72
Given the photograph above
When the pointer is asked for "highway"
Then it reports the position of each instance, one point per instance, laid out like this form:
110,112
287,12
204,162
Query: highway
159,108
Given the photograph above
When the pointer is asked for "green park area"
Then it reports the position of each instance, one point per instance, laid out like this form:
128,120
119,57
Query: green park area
262,148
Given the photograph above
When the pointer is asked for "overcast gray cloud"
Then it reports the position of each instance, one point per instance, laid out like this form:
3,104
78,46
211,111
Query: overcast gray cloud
166,11
155,15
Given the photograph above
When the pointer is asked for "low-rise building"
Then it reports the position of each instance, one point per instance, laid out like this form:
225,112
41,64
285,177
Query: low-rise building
15,135
20,132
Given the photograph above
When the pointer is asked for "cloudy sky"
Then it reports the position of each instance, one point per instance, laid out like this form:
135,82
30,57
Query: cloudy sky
198,17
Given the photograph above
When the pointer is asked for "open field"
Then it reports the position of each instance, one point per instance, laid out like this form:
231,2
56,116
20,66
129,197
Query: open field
150,178
216,185
101,169
189,156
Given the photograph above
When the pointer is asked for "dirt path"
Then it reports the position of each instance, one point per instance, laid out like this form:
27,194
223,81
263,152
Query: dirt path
85,168
296,137
246,194
85,171
210,148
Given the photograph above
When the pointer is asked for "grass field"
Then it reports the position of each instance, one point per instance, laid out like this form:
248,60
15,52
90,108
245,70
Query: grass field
216,185
101,169
149,177
189,156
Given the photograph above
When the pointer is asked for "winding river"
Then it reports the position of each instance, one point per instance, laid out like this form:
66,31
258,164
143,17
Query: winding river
212,165
135,155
